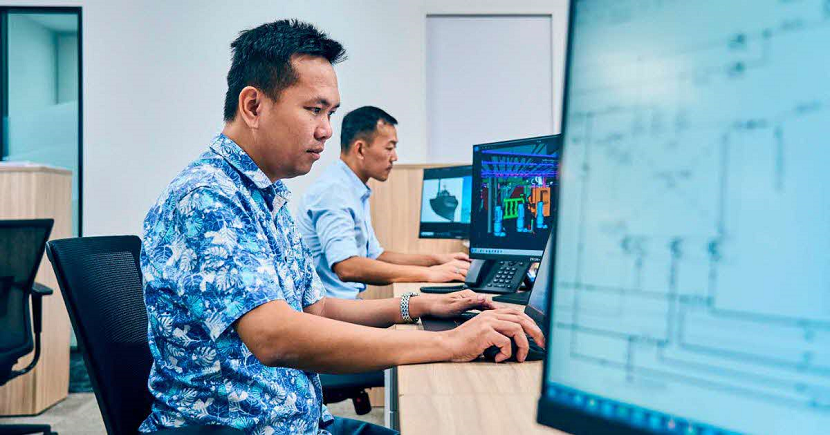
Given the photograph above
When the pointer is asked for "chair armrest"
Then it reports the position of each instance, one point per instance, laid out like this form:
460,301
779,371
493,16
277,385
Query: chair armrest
201,430
38,292
41,290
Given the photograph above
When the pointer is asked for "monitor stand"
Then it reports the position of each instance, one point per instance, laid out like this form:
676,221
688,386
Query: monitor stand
496,276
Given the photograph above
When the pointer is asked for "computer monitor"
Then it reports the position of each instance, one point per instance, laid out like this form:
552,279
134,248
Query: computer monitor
537,307
513,198
445,202
691,285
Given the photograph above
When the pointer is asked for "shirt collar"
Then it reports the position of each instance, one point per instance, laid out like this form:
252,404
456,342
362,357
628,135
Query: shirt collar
354,181
239,159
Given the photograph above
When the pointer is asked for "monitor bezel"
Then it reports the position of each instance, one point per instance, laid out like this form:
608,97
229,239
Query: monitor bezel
557,138
461,231
550,413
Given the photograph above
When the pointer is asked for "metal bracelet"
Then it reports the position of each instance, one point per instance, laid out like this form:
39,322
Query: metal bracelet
405,308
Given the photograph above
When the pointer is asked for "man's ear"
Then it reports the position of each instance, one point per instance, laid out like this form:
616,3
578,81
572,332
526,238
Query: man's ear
250,105
360,149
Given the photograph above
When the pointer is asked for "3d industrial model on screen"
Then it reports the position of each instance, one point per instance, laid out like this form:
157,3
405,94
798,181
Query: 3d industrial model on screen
516,191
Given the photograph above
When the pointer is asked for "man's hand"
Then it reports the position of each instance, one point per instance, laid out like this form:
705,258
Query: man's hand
493,328
452,304
447,258
455,270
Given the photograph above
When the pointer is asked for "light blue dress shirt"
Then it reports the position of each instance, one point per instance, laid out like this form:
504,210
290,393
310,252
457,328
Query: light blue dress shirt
336,224
218,243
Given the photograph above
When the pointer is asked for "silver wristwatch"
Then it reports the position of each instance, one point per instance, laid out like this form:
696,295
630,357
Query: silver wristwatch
405,308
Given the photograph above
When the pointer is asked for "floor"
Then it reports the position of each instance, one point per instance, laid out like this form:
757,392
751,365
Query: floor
78,415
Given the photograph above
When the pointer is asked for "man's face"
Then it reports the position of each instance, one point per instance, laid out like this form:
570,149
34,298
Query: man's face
381,154
294,128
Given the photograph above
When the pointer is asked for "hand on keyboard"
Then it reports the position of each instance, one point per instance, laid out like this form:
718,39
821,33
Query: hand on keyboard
456,303
455,270
535,352
494,328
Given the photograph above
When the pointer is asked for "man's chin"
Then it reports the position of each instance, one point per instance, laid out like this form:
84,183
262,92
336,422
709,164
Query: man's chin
299,171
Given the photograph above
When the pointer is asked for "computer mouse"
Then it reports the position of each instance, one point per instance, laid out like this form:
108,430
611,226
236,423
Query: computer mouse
535,353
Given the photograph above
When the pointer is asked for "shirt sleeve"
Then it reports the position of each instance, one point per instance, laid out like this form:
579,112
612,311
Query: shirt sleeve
335,229
315,289
374,250
315,292
220,259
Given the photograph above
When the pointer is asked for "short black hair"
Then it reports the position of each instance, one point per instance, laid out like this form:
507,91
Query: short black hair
361,123
262,58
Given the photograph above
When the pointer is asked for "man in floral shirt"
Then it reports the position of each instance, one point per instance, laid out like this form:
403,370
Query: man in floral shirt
238,322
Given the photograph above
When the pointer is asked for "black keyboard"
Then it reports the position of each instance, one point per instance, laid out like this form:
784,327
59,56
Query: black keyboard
445,324
443,289
519,298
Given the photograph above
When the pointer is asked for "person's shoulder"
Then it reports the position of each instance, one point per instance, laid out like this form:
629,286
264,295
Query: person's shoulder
208,174
329,186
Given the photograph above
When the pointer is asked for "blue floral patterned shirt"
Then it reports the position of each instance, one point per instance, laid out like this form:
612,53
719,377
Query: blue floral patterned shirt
218,243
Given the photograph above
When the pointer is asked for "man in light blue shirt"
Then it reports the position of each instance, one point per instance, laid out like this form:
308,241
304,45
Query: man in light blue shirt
336,221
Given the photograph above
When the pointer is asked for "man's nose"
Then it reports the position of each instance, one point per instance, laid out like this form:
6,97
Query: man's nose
323,131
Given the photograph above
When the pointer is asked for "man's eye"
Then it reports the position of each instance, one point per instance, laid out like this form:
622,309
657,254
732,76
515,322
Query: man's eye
315,110
332,113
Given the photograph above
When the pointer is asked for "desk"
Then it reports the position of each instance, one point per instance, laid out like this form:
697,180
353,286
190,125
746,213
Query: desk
463,398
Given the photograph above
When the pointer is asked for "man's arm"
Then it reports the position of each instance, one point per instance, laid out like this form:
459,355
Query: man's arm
421,259
382,313
376,272
410,259
281,337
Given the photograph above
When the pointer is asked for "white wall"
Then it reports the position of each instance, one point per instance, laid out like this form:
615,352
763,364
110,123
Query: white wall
486,82
154,83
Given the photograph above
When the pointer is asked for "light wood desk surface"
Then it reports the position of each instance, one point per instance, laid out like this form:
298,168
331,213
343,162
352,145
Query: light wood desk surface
464,398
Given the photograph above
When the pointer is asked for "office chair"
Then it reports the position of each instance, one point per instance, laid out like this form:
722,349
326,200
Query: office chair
21,250
100,280
337,388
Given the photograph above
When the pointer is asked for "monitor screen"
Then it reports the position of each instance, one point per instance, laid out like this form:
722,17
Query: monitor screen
513,198
445,203
537,303
692,269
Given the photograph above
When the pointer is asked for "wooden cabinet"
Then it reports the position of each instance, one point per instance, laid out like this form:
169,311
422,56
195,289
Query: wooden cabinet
32,192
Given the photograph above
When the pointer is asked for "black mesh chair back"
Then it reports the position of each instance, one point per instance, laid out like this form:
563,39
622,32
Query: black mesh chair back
21,250
101,284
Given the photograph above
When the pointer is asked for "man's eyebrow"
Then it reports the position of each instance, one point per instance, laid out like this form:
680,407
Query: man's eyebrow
326,102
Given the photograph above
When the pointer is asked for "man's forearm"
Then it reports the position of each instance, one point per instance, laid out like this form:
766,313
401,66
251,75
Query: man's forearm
366,270
380,313
324,345
408,259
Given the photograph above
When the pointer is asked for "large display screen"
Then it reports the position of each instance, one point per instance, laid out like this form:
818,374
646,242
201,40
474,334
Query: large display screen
692,266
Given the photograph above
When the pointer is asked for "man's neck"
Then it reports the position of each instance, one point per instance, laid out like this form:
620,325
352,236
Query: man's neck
355,168
245,140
